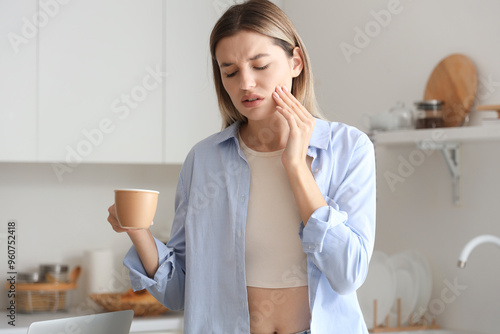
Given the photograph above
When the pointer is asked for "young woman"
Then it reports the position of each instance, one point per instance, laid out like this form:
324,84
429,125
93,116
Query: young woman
275,215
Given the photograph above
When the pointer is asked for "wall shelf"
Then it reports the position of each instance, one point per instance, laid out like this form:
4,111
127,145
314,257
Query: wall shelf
447,140
459,134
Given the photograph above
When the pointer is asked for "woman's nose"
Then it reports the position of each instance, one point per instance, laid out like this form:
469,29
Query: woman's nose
247,80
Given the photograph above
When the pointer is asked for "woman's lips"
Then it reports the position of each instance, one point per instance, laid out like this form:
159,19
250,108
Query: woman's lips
251,104
250,101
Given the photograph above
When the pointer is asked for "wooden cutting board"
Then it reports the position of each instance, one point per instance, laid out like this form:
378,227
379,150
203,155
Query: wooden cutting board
454,81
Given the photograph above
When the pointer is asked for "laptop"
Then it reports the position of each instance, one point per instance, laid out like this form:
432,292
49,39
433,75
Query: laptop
103,323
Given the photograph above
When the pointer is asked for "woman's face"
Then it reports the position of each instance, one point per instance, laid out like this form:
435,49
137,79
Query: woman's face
251,67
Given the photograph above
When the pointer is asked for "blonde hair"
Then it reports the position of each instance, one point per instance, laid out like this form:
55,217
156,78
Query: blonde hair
266,18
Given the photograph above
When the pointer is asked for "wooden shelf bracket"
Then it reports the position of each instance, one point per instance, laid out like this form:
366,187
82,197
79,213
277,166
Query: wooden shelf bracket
451,155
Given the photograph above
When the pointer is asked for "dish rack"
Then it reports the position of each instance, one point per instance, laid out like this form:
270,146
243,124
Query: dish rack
420,324
46,296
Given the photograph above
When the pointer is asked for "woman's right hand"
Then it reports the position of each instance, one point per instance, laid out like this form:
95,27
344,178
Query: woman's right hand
142,240
114,221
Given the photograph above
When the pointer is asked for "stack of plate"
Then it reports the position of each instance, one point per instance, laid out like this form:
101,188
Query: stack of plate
406,276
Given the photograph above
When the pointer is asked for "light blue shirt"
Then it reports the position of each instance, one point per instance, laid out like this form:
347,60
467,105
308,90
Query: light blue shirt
202,267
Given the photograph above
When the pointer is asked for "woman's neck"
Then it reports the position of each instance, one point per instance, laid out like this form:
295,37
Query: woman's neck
265,135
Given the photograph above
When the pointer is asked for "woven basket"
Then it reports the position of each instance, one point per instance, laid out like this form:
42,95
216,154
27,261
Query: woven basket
41,301
141,306
45,296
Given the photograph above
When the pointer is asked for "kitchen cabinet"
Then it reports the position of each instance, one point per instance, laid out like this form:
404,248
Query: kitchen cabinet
191,111
18,93
107,82
100,83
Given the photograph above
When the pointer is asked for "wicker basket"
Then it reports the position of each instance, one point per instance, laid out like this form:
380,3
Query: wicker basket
45,297
143,305
41,301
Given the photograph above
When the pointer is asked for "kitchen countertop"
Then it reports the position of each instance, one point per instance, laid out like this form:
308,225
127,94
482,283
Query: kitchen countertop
168,321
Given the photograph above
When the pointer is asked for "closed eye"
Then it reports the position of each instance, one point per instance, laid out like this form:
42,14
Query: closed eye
259,68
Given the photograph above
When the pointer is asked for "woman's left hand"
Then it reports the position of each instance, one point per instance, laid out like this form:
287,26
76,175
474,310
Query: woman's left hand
301,124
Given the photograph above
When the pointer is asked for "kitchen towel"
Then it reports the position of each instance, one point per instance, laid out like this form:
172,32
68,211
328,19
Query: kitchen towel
99,271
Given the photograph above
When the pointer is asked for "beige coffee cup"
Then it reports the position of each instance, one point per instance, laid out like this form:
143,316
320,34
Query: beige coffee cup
135,208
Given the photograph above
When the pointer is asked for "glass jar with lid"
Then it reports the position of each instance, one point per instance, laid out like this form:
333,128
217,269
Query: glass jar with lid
429,114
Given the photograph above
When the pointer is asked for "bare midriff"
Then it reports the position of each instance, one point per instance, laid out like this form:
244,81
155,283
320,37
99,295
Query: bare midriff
281,311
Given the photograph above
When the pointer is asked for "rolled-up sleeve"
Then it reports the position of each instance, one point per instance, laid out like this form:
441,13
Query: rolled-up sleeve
138,276
339,238
168,283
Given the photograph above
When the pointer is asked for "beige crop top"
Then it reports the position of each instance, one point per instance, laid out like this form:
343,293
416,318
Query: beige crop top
273,251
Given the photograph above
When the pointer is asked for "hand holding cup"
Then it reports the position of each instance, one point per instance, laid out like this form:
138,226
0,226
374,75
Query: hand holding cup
134,208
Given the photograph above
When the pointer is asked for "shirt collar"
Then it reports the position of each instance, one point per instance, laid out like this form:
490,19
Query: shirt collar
321,134
319,139
228,133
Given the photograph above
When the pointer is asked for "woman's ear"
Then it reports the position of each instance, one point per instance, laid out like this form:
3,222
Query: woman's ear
297,62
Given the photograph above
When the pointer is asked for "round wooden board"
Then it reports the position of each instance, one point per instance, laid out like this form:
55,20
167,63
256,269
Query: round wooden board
454,81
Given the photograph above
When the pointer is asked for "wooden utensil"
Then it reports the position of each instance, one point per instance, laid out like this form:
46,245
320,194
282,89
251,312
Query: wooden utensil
454,81
493,107
73,277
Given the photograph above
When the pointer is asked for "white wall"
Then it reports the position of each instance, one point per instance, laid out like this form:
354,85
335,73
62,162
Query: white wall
418,213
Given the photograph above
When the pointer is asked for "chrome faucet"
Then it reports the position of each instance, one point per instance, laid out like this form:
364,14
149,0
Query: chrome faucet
473,244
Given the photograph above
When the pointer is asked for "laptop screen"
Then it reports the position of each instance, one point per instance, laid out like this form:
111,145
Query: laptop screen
102,323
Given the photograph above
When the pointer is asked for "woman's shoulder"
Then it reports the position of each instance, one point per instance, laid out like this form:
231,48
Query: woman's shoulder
212,144
212,141
342,133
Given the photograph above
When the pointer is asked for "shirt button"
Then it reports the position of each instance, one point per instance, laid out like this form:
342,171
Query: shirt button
239,233
243,198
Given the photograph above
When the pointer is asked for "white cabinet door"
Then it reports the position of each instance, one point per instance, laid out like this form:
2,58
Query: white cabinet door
18,116
191,104
101,82
120,81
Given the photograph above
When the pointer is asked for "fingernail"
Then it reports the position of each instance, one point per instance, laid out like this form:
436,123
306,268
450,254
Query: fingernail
279,88
285,89
276,95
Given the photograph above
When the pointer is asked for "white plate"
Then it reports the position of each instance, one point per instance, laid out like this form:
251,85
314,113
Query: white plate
425,283
407,288
380,284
